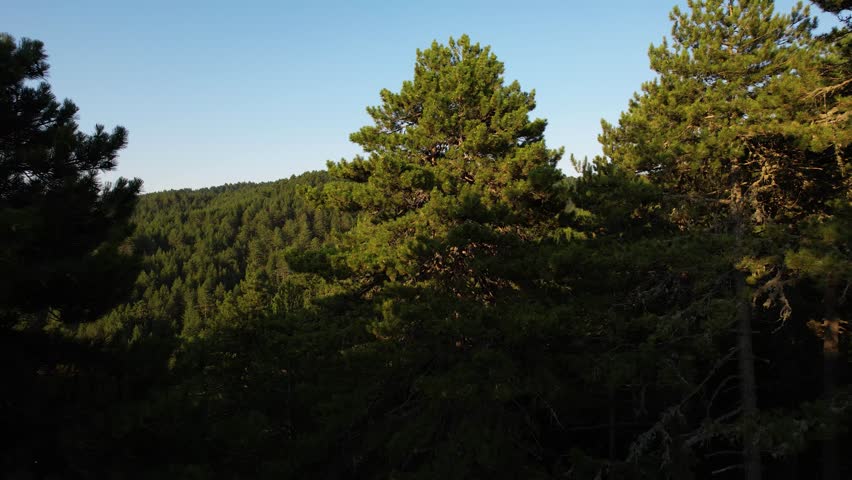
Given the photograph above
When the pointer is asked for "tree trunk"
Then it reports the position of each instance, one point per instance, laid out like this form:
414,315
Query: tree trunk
745,357
748,384
830,363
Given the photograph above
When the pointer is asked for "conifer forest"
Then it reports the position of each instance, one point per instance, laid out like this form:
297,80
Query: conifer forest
451,304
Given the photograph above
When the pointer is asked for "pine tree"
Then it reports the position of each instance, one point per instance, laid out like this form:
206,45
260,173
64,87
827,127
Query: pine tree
727,133
454,162
61,231
458,201
63,260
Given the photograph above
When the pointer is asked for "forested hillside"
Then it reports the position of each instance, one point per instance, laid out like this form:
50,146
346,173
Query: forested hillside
450,304
210,256
206,260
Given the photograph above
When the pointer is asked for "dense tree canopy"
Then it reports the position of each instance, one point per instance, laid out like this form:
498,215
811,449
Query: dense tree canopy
449,303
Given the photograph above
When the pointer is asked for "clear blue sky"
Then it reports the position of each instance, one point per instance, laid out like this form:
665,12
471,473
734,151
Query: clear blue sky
222,92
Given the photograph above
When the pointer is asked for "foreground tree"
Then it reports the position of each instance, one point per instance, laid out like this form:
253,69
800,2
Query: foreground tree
458,199
60,229
454,162
61,255
730,134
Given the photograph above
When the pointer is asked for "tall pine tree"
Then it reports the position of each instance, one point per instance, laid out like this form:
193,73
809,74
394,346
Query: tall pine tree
728,133
63,259
459,199
60,228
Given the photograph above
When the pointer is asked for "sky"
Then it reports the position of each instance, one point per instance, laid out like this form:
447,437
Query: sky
225,92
